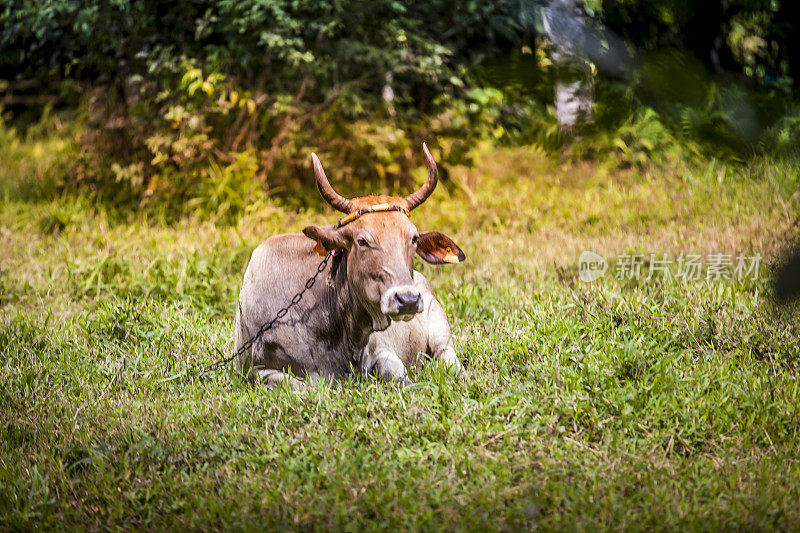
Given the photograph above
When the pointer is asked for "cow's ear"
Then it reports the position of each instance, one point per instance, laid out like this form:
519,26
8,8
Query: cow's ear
437,248
328,238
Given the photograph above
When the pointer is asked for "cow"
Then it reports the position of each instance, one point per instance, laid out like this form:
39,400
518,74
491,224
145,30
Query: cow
371,284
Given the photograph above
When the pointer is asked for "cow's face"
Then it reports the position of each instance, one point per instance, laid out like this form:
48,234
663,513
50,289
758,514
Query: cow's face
380,248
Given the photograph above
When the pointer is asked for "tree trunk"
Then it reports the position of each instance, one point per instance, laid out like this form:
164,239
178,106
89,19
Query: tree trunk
565,24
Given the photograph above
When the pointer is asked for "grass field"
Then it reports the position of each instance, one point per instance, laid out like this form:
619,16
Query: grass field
649,404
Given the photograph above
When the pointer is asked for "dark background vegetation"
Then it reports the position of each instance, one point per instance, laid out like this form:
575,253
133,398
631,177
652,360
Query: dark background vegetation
206,106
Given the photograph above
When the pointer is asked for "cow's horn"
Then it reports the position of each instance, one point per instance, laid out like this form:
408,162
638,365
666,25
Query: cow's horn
332,197
416,198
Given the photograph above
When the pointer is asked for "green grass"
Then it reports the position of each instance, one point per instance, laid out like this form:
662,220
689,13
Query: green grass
653,405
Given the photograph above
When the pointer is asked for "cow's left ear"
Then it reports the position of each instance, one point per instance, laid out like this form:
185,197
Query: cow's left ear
328,238
437,248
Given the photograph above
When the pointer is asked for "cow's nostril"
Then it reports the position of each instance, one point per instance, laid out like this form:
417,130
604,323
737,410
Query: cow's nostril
407,300
402,302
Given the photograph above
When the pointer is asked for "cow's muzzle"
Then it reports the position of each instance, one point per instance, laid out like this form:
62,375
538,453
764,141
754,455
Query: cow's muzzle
402,303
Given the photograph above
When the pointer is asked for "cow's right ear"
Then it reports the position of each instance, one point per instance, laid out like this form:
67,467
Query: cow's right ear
328,238
437,248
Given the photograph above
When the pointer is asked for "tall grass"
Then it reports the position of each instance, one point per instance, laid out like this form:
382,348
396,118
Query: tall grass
650,404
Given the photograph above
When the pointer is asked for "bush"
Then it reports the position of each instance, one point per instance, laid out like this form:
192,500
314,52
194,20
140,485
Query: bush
208,106
184,100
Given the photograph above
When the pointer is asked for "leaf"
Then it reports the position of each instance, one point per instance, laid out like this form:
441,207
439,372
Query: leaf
191,74
194,86
619,143
159,158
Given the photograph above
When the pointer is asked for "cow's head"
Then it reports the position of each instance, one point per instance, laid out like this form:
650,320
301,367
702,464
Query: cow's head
379,242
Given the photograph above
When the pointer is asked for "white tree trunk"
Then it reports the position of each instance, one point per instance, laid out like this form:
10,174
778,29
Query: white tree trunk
565,24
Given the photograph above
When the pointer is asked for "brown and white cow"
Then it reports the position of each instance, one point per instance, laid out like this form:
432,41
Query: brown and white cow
373,288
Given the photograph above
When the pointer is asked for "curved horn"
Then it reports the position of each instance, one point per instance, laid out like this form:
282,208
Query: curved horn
416,198
332,197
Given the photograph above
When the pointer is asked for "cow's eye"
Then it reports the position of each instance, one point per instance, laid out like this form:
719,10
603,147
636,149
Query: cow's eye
363,242
415,239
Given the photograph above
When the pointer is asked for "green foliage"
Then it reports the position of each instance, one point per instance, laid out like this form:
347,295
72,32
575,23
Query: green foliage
783,137
207,107
226,98
719,76
35,164
752,37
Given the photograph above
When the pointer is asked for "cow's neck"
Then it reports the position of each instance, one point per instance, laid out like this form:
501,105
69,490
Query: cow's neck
351,323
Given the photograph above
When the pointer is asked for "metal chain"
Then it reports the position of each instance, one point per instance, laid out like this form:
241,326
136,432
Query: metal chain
268,325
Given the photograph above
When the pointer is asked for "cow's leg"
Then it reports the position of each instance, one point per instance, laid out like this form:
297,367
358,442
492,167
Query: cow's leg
272,378
440,338
387,366
447,354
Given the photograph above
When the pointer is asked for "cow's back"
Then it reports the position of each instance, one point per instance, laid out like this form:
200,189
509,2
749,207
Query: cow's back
277,271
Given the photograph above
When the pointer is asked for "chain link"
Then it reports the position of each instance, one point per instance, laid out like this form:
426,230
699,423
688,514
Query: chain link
268,325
